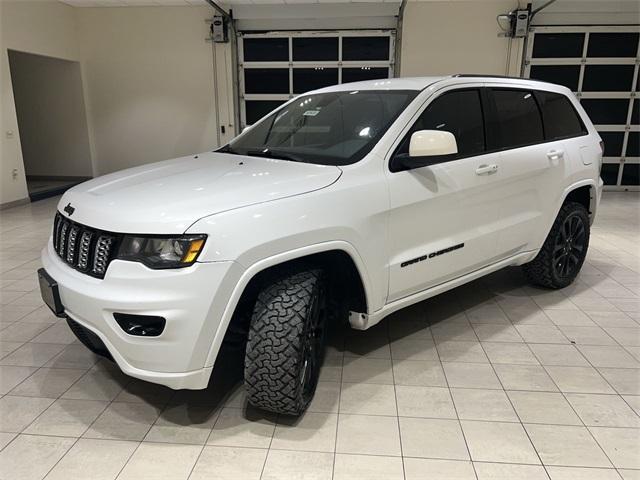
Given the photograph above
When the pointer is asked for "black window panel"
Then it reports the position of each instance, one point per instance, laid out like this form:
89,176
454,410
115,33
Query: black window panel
609,173
633,145
613,44
608,78
305,79
612,143
266,49
607,111
359,74
560,118
567,75
458,112
365,48
635,112
266,80
558,45
519,118
256,109
306,49
631,174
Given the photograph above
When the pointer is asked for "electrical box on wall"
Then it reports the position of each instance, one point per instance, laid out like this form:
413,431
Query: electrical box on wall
219,30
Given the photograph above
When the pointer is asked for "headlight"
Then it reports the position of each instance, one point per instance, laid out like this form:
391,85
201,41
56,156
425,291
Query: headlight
162,252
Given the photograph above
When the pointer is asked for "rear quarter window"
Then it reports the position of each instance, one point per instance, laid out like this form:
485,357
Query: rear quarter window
561,120
519,119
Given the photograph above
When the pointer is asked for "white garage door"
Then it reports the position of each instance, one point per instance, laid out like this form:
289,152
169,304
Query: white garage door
600,64
277,66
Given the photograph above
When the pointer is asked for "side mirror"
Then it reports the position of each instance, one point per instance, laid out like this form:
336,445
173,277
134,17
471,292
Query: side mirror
427,147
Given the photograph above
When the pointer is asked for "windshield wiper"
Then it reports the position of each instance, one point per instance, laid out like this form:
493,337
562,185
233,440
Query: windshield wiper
268,153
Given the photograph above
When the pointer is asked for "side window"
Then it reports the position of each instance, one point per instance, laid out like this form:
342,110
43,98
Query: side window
458,112
560,117
519,119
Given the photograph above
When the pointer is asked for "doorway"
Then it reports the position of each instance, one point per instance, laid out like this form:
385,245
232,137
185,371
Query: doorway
52,123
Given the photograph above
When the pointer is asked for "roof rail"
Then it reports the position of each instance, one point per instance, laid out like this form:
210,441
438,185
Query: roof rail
478,75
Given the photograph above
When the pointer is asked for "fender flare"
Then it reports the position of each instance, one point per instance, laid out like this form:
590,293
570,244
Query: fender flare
261,265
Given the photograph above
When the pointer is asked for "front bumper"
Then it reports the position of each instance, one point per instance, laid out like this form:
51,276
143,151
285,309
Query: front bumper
192,300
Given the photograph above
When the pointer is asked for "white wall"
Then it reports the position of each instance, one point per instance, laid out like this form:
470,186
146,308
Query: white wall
444,37
149,83
589,12
46,28
51,115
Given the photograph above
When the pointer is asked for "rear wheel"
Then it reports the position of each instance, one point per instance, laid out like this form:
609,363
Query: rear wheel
562,255
285,347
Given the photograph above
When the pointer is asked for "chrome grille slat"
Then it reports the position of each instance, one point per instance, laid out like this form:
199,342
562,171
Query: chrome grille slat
84,248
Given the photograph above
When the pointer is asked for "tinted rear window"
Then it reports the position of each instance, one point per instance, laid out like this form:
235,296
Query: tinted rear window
560,118
518,118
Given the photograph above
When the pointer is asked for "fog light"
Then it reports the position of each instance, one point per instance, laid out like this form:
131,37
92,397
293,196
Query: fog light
140,325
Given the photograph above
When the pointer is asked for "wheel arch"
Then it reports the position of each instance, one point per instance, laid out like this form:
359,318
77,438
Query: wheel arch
584,193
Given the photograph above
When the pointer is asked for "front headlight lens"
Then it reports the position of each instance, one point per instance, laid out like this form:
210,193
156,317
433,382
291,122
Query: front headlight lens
162,252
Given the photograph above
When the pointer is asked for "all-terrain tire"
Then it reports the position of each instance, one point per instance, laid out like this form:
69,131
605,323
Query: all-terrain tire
280,371
546,269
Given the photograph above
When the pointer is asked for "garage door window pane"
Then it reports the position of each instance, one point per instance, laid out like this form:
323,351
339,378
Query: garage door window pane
567,75
635,112
266,49
364,73
607,111
633,145
607,78
365,48
315,49
631,174
613,44
305,79
558,45
518,117
612,143
609,173
256,109
266,80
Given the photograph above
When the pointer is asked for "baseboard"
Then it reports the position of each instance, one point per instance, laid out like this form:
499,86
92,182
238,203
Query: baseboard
15,203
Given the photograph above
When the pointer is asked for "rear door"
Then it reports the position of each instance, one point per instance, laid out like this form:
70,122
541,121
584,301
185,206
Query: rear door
443,217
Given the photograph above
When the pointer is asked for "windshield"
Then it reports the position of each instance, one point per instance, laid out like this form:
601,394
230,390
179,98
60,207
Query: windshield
334,128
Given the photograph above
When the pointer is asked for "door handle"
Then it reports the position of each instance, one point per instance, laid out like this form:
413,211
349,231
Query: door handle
487,169
555,154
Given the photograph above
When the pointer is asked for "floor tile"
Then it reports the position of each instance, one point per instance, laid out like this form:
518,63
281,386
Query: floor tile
624,380
183,424
124,421
476,404
470,375
32,355
562,355
90,459
620,445
326,399
426,402
160,461
609,357
30,457
497,333
229,463
628,337
312,432
509,353
525,377
507,471
367,370
461,352
577,473
579,380
237,427
16,413
498,442
358,467
411,349
298,465
11,376
422,373
432,438
567,446
603,410
432,469
543,407
541,334
74,356
48,382
67,418
368,399
99,383
370,435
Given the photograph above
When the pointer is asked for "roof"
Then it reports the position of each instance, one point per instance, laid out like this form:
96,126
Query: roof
404,83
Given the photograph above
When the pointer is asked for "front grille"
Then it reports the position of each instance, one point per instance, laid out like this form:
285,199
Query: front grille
86,249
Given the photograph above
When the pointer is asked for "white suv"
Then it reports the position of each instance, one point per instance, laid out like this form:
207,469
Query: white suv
351,201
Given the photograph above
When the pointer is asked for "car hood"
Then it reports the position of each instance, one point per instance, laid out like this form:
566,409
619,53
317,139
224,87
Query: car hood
167,197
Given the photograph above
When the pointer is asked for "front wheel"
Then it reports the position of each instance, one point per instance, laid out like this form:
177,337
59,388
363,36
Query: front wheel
562,255
285,347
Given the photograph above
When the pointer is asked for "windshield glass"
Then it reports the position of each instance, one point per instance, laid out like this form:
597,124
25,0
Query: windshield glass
335,128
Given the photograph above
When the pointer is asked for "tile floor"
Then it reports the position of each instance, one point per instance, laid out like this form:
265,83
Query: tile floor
494,380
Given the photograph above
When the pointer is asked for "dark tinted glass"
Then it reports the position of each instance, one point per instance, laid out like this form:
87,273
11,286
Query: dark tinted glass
315,49
635,112
305,79
613,44
458,112
266,49
364,73
612,143
333,128
606,111
631,174
607,78
256,109
365,48
609,173
567,75
560,118
266,80
518,118
558,45
633,145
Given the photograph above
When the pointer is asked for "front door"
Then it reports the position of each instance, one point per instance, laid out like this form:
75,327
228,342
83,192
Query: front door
444,218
